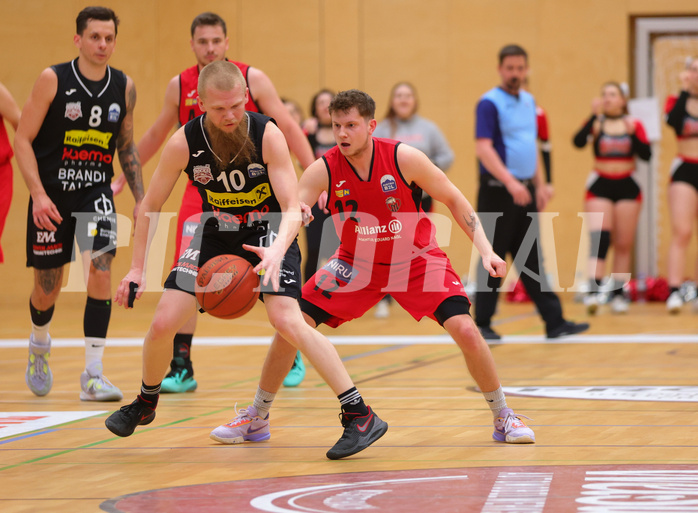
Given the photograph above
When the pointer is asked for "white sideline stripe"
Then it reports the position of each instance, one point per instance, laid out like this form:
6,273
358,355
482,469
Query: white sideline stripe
385,340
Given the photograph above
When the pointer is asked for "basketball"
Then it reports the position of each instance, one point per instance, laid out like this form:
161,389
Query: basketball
227,287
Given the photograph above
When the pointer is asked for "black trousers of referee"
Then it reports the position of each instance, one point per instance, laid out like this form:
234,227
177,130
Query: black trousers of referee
507,236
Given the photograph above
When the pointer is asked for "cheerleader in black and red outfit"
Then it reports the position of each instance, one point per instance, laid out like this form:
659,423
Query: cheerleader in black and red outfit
611,188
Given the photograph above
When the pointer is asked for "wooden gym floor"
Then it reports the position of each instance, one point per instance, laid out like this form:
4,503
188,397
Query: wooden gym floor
619,431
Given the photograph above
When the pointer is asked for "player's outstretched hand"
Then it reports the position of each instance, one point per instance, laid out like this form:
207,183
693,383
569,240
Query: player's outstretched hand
270,264
130,289
495,265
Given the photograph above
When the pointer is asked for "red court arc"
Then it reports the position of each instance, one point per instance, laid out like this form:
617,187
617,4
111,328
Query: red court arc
528,489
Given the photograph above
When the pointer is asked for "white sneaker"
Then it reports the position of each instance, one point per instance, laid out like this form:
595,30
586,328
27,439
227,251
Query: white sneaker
674,303
620,305
38,376
694,305
591,301
95,387
382,309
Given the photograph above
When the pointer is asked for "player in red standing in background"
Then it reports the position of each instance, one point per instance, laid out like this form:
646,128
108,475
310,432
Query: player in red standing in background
9,111
209,42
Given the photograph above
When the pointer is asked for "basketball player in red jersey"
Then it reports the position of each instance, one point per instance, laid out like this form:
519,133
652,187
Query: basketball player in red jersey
209,42
388,245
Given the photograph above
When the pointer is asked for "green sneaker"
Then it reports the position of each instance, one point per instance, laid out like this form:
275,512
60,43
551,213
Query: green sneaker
180,379
297,373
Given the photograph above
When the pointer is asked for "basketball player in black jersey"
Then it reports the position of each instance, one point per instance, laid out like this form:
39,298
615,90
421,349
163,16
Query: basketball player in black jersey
78,115
240,163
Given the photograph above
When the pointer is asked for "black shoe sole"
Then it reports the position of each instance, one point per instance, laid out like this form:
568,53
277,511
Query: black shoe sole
111,426
378,432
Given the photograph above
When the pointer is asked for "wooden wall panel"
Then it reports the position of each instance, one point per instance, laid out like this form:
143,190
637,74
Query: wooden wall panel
447,48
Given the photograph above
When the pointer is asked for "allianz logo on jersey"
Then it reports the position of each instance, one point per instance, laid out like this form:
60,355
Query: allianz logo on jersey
393,226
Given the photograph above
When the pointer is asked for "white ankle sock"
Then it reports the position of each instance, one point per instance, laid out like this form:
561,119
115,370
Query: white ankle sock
496,400
40,334
94,350
263,401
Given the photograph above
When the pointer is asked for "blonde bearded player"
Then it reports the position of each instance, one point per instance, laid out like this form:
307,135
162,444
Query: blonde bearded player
222,142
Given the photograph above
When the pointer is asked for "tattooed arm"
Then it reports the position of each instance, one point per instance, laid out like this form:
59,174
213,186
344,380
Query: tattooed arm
417,168
126,147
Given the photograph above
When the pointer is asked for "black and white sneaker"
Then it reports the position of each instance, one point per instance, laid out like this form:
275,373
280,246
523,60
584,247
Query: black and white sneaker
359,433
124,421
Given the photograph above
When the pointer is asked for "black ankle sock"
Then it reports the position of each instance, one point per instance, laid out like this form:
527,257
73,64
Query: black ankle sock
352,402
671,291
182,346
149,395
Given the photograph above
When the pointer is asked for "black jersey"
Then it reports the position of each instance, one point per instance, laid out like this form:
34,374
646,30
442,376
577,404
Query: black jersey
240,193
76,142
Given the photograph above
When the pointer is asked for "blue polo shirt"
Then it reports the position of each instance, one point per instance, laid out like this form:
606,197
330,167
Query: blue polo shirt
510,122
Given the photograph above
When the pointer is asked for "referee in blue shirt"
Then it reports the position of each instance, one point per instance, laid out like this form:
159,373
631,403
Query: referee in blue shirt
512,185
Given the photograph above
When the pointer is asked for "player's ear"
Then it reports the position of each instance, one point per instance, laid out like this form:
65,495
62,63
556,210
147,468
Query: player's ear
372,126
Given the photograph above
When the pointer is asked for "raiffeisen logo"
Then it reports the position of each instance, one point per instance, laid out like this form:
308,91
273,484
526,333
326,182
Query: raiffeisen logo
394,226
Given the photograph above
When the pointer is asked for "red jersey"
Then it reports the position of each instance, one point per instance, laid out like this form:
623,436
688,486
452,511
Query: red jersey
189,96
542,123
380,220
5,146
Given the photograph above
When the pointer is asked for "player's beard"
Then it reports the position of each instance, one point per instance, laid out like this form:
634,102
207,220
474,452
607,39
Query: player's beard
231,145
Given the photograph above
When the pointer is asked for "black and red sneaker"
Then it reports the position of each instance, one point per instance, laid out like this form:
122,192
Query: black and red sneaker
124,421
359,433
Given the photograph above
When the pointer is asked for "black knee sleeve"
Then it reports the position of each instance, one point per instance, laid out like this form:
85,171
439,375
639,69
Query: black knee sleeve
96,320
602,240
39,317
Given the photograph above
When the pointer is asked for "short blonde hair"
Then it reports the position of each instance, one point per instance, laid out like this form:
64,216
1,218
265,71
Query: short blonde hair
221,75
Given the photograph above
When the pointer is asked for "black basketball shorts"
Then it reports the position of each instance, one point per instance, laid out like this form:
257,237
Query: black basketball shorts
88,216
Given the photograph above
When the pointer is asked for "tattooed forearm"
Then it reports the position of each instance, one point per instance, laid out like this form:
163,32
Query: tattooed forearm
128,152
472,222
102,262
49,279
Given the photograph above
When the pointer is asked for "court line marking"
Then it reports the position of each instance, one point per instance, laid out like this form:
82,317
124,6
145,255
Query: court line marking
405,340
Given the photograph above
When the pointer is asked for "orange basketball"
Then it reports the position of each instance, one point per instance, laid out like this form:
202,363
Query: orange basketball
227,287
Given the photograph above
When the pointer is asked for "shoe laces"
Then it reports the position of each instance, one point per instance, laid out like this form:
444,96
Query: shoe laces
513,421
241,415
99,383
40,364
346,418
133,410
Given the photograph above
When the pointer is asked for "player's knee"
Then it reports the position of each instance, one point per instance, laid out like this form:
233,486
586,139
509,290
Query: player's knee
682,235
163,328
467,336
